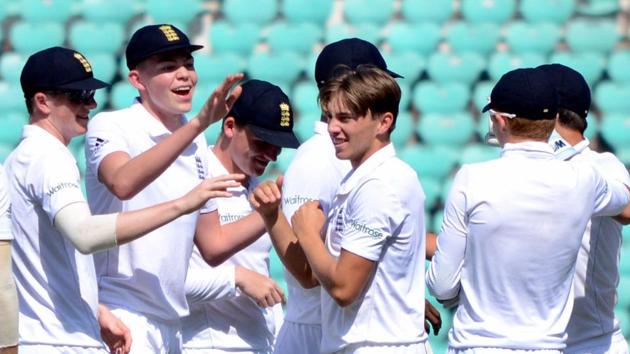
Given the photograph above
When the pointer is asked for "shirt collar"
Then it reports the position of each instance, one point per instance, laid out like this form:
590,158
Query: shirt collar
372,163
153,125
31,130
532,149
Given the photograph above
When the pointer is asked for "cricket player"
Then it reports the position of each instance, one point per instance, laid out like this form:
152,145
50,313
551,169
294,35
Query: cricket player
593,326
513,226
53,228
254,132
370,266
150,152
8,293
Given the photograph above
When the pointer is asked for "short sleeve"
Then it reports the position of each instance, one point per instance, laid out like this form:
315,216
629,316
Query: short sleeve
5,210
102,138
60,184
373,214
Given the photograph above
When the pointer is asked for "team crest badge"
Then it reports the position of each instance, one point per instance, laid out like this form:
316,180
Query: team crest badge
84,62
285,115
169,33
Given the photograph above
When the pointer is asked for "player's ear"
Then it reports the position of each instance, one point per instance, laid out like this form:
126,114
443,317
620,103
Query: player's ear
386,120
40,103
229,125
135,80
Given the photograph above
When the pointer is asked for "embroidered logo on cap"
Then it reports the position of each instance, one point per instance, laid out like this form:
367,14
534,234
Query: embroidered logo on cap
84,62
169,32
285,115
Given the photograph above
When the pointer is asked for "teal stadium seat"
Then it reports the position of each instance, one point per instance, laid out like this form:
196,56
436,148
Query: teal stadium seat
481,94
523,37
406,93
464,67
452,130
102,99
4,10
483,125
404,131
92,37
502,62
311,11
618,66
429,161
181,11
242,11
203,90
432,97
408,64
473,153
284,159
421,38
377,12
236,38
11,65
276,270
212,132
614,129
436,225
299,38
623,293
304,97
104,65
592,35
484,11
105,11
366,31
421,11
122,95
480,38
612,97
556,11
280,69
598,7
590,65
212,69
29,37
11,97
47,10
304,125
11,125
432,190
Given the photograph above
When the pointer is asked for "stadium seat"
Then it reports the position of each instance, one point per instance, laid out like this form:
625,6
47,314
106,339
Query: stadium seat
612,97
429,161
299,38
480,38
241,11
481,94
304,97
538,11
405,127
276,270
5,150
92,37
212,132
590,65
618,64
104,11
283,160
11,125
11,97
122,95
409,64
29,37
432,97
311,11
448,130
181,11
422,11
212,69
589,35
421,38
432,189
502,62
523,37
202,92
484,11
58,11
623,292
377,12
4,10
305,123
483,125
406,94
280,69
465,68
11,65
104,66
474,153
236,38
598,7
366,31
614,129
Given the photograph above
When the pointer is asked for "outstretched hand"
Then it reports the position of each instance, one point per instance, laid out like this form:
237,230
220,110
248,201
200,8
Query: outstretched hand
219,103
432,318
210,188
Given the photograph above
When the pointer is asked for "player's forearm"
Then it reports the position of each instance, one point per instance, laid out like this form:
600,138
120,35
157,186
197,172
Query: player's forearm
8,302
131,225
289,250
323,266
137,173
210,284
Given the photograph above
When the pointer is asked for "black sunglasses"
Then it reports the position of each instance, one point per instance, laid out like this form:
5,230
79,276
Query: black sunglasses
76,96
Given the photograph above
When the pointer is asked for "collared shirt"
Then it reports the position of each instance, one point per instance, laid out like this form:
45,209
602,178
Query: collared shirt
314,174
378,214
5,209
56,284
508,245
597,269
146,275
235,322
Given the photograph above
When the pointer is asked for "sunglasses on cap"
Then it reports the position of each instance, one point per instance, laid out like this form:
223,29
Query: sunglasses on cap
77,96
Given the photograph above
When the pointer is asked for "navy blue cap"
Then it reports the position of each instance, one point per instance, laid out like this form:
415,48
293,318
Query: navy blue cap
571,87
155,39
267,111
58,68
350,52
528,93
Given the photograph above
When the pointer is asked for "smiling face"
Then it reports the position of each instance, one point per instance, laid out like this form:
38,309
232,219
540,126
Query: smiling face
250,154
68,118
166,83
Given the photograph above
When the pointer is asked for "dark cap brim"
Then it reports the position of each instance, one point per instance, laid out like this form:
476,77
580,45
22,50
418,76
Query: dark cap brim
394,75
486,108
277,138
191,47
87,84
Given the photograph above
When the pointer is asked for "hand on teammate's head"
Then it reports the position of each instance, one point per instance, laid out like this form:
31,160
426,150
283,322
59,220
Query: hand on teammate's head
220,101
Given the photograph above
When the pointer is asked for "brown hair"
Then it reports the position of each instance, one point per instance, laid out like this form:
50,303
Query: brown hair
366,88
539,129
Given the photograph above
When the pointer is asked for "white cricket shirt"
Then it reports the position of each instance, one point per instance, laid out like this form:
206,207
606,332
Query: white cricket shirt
5,209
56,284
510,236
378,214
314,174
147,275
233,322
